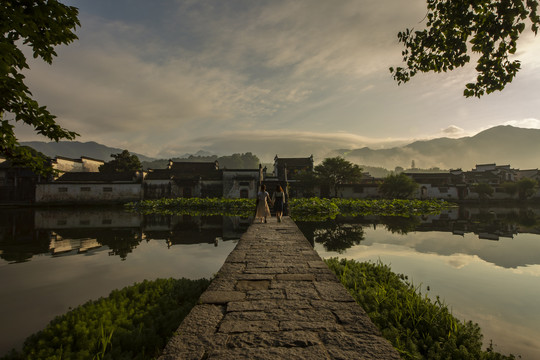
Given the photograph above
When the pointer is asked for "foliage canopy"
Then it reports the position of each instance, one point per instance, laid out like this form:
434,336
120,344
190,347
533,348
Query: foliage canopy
398,186
489,28
484,190
41,25
526,187
337,171
123,162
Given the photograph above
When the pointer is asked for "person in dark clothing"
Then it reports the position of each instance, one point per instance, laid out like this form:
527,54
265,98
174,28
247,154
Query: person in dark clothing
278,199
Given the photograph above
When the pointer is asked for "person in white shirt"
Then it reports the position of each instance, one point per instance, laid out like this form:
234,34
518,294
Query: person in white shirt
263,199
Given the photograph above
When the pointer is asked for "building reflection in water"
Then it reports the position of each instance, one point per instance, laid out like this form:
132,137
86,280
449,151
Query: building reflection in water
27,232
489,224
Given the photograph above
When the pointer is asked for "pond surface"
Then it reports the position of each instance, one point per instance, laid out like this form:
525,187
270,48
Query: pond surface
55,259
484,262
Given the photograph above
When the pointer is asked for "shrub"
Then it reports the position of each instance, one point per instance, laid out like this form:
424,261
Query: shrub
132,323
417,327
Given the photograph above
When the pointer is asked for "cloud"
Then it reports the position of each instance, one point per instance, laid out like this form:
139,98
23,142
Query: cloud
265,143
453,131
529,123
203,68
459,261
176,75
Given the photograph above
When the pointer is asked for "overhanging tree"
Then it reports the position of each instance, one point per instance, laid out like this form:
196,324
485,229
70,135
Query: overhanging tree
337,171
455,28
40,25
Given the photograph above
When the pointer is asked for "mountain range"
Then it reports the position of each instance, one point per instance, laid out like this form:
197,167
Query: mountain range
76,149
502,145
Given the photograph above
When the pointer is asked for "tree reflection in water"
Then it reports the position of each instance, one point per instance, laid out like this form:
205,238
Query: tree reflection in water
400,224
27,232
334,236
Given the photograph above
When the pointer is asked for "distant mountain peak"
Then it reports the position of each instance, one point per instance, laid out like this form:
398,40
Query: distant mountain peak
503,144
76,149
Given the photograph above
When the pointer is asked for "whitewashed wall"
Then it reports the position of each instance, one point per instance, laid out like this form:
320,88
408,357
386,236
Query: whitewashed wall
233,187
427,191
87,193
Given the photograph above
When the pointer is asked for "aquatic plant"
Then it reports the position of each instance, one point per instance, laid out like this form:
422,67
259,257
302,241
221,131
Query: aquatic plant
315,209
132,323
195,206
417,326
304,209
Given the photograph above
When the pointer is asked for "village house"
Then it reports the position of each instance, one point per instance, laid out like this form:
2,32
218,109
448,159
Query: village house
17,183
528,174
285,173
285,169
242,183
90,188
495,176
184,179
84,164
80,182
366,188
491,174
439,185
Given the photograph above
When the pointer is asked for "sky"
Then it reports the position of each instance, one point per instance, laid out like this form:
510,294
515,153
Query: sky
294,78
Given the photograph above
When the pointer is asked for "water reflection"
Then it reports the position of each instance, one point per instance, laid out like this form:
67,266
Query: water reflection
67,256
333,235
25,233
485,223
483,261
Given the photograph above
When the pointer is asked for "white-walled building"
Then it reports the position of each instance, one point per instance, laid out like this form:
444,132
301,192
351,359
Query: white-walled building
241,183
91,187
84,164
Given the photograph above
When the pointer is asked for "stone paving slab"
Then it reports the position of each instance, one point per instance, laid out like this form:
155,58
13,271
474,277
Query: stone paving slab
274,298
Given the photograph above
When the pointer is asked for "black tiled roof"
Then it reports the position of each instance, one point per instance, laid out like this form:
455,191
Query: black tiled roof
296,162
191,170
158,174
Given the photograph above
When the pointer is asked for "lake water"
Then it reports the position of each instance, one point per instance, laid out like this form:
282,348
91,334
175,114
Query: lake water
485,262
52,260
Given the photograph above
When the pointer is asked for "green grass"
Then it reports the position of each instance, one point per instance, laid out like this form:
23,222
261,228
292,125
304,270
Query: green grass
417,326
133,323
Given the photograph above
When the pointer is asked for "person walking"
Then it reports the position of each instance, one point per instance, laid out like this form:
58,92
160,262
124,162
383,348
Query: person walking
278,199
263,198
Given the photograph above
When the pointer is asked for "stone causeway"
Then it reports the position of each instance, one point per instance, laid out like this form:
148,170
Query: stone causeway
274,298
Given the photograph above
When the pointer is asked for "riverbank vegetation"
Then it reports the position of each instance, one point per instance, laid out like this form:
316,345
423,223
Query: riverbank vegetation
417,326
300,209
133,323
137,321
